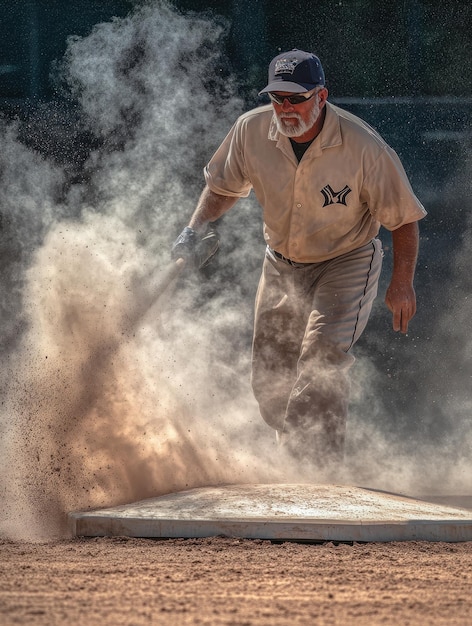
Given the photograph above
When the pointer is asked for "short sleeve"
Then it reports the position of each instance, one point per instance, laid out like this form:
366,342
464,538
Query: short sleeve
225,174
388,192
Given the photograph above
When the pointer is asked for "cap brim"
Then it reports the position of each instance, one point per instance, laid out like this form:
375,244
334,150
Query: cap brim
284,85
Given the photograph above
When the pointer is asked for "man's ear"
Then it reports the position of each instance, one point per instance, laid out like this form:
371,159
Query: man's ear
323,96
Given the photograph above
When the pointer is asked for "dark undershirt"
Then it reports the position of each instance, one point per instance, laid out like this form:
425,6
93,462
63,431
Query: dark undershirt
300,148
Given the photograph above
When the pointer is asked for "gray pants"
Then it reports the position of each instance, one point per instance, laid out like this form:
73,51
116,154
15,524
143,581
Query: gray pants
307,318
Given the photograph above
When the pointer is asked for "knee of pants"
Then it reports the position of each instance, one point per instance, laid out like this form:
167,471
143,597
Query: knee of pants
321,354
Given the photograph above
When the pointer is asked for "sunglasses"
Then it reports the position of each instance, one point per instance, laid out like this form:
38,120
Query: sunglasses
296,99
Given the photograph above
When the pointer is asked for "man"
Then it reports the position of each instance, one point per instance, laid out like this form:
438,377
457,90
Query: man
326,182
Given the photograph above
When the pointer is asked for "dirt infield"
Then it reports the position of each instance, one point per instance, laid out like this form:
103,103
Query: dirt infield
233,582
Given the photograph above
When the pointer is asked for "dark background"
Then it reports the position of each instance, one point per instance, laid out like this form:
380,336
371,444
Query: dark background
404,66
369,48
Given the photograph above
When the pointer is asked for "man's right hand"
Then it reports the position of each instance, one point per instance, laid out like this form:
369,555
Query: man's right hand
197,251
185,247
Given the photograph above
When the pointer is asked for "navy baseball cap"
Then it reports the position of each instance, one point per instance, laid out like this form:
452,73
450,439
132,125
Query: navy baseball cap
295,72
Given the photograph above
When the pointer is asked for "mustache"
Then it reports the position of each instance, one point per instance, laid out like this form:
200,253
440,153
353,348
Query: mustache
283,116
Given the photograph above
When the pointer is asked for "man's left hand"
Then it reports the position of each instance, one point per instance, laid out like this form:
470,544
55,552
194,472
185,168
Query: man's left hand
401,300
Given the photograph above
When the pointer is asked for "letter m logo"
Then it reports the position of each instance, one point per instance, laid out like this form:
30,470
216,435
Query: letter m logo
335,197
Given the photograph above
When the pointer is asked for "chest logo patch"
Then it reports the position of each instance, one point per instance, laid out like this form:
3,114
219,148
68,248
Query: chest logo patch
335,197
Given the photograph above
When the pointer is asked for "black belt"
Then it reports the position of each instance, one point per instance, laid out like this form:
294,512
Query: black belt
289,261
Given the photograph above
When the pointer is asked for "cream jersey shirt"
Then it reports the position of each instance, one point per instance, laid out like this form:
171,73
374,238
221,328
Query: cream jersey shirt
348,183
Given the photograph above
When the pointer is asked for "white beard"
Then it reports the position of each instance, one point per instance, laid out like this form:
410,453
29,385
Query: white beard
296,130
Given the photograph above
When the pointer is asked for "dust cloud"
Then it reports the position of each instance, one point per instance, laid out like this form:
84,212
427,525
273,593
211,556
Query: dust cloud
107,395
108,399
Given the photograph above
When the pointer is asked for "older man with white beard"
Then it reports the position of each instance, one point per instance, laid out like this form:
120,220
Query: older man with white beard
326,182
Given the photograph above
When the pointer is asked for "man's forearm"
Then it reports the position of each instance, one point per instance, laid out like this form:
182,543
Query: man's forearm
210,207
405,251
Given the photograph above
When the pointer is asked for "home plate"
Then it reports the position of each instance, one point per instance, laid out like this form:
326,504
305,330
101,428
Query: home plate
280,512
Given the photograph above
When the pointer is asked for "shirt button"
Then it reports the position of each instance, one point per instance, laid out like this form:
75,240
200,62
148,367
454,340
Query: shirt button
299,206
